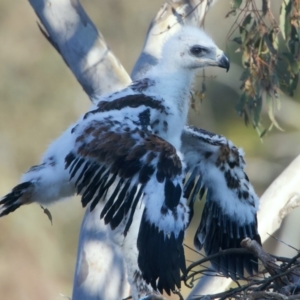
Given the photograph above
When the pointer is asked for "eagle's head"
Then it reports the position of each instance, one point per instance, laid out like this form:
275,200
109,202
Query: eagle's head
191,48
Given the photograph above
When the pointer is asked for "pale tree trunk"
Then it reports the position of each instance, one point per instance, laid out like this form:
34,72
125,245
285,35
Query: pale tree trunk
72,33
83,48
96,258
81,45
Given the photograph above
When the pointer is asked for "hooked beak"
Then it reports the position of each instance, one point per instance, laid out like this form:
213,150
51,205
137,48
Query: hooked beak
222,60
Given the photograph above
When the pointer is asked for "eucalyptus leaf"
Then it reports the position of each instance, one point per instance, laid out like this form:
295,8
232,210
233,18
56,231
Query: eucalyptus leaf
265,7
262,134
241,104
269,43
257,110
293,64
245,75
293,84
288,10
282,19
270,63
236,4
271,112
237,39
247,20
246,117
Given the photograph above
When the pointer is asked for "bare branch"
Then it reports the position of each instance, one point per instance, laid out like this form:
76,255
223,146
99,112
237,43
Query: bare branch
279,200
280,280
98,256
268,261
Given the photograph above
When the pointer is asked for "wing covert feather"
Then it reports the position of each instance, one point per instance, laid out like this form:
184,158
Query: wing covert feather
138,165
229,213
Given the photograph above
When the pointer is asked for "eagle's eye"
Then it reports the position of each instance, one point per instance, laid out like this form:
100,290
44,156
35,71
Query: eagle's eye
197,50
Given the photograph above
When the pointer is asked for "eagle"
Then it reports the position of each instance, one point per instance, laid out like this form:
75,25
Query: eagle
134,151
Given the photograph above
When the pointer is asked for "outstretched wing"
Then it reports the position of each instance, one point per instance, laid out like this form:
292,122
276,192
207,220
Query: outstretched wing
137,165
229,215
44,183
19,195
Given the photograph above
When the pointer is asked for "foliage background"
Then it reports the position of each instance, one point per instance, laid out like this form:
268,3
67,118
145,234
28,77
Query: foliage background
39,98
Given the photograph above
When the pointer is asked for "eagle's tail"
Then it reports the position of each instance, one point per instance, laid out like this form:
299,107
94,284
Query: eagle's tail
19,195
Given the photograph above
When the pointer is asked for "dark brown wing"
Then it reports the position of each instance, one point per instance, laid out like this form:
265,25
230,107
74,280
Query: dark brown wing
140,165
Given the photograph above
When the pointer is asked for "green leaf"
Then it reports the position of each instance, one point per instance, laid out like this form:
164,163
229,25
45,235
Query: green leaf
243,34
293,43
295,67
265,7
293,84
271,112
250,104
275,79
257,86
263,133
236,4
257,110
247,20
246,118
269,43
245,75
241,104
293,64
282,18
274,37
238,40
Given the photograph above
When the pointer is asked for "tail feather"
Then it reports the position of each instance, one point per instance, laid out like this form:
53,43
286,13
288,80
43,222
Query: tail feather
17,197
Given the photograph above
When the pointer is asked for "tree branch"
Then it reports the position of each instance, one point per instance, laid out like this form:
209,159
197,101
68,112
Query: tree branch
97,256
280,280
72,33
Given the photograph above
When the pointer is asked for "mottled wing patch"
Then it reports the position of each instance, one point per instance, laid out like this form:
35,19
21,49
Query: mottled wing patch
218,231
216,167
138,163
142,85
132,101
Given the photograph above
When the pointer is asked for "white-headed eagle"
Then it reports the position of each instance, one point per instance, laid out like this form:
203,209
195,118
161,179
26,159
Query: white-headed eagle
133,148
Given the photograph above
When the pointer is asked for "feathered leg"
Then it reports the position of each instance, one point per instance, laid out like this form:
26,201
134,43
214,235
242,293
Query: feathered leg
139,288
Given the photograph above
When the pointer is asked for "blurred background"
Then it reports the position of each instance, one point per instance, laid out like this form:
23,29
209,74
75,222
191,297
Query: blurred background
39,98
